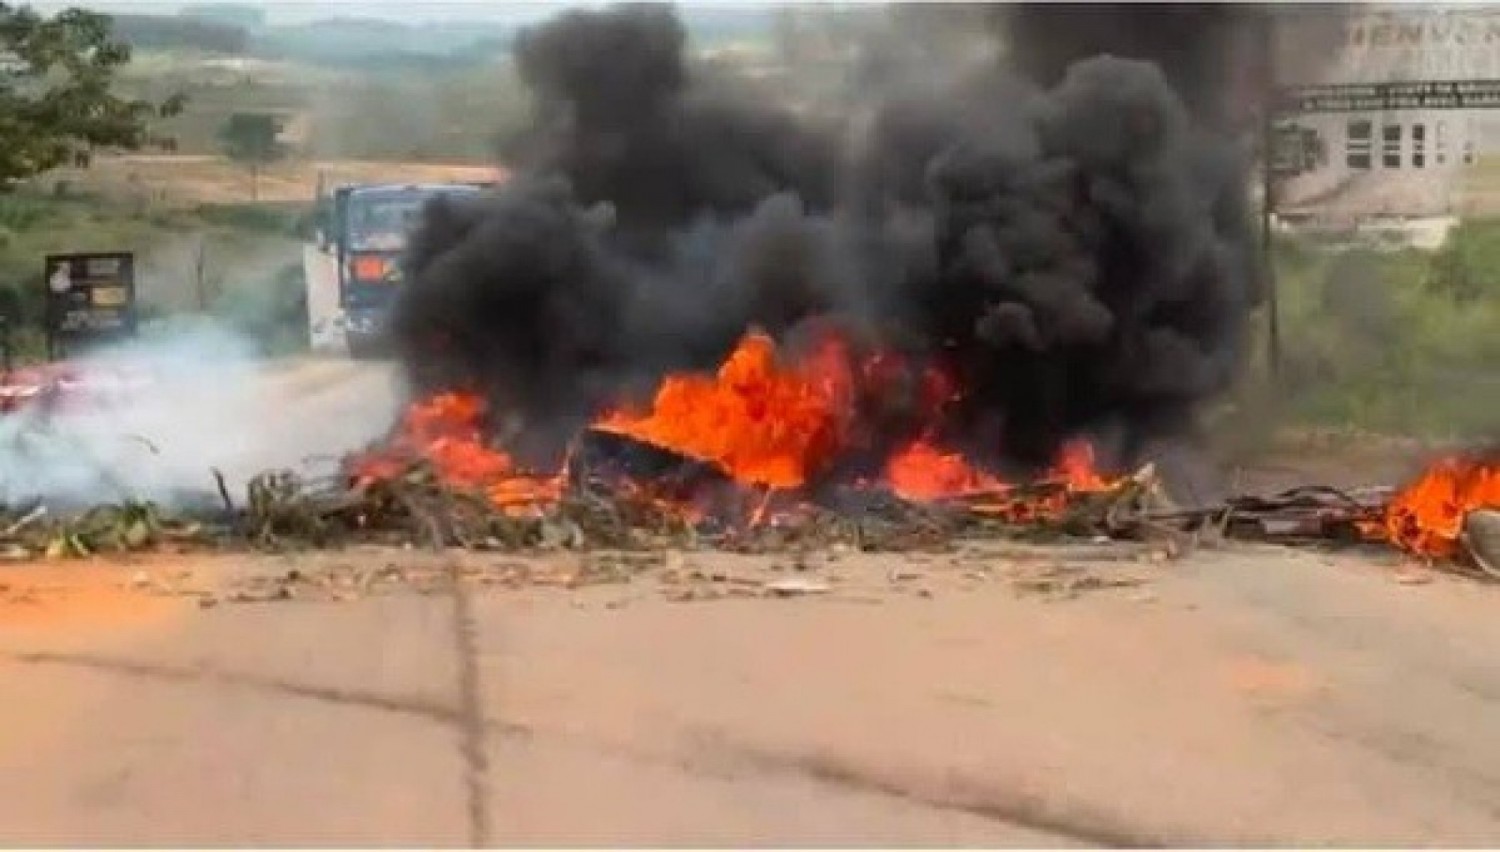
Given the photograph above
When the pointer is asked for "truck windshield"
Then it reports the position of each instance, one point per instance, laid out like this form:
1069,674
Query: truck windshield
382,223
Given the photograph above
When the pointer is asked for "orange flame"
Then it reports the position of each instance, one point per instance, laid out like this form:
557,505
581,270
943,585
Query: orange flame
1427,516
921,471
760,421
445,432
1075,468
763,421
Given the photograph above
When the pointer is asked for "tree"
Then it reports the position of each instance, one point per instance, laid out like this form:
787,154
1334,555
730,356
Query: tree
55,91
249,138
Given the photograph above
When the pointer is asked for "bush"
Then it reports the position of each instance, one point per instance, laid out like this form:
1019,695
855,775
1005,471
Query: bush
21,213
263,218
1404,341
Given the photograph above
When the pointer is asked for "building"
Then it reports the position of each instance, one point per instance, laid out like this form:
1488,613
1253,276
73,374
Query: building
1396,104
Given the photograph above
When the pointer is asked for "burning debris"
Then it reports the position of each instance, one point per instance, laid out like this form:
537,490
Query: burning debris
1428,516
438,485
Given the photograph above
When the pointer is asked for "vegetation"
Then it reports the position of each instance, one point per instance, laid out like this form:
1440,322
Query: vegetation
240,264
56,95
453,117
1401,341
250,139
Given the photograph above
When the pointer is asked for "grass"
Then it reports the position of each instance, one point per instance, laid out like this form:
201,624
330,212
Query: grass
240,263
1403,342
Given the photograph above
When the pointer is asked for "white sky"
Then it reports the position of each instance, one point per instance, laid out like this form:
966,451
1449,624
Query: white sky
289,11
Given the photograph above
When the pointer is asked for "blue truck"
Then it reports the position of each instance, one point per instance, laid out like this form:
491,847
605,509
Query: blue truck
365,229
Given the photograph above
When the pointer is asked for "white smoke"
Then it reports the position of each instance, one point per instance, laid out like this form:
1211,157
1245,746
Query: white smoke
153,418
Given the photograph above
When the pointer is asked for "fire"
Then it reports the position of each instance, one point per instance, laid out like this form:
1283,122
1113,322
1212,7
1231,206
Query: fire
922,471
1075,468
759,420
774,424
766,421
446,432
1427,516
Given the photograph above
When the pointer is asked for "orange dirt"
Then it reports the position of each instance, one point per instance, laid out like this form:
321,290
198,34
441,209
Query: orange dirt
73,597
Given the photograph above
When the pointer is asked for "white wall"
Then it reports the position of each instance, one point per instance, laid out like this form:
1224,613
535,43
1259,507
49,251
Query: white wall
320,269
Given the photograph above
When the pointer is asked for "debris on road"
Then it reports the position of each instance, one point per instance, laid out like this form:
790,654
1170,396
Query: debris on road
788,587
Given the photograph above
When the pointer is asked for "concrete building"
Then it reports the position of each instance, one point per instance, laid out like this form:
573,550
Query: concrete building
1403,104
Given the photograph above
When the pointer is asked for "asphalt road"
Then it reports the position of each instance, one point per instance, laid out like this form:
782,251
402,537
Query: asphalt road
1237,697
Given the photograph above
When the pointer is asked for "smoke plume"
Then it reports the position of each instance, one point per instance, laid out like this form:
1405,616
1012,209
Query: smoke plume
1062,228
155,416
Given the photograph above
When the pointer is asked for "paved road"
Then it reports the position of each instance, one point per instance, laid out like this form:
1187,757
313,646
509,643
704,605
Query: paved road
1239,697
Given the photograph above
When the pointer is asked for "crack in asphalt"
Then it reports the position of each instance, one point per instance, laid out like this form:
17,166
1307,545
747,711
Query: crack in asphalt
419,707
1066,821
470,717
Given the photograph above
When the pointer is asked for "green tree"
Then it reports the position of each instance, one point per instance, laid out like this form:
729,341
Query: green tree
249,138
55,92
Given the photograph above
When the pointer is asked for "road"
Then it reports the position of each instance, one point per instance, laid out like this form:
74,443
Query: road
1236,697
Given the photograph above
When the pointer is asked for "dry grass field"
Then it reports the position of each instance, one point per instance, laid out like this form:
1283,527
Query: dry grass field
191,180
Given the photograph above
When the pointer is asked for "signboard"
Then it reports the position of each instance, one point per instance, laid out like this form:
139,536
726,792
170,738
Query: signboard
90,297
1385,97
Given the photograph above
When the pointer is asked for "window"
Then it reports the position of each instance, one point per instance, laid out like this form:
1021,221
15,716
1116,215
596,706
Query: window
1390,148
1440,142
1418,146
1358,136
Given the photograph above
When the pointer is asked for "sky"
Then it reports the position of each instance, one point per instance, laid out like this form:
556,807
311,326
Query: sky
290,11
411,11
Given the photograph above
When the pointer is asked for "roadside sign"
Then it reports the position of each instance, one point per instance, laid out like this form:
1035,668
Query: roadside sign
1388,97
90,298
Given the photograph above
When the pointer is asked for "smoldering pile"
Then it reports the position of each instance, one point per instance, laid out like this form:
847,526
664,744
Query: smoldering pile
1074,254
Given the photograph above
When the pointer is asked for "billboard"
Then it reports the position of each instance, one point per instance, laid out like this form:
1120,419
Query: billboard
1389,97
90,298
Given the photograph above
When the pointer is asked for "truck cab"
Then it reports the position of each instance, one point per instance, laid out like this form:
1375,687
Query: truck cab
365,228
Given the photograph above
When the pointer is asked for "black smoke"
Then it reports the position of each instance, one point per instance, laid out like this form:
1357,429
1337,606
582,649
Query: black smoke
1066,233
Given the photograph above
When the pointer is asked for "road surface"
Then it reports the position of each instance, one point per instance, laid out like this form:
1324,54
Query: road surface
1240,696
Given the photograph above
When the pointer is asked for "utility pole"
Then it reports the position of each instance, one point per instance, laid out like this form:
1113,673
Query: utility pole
1268,196
200,281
